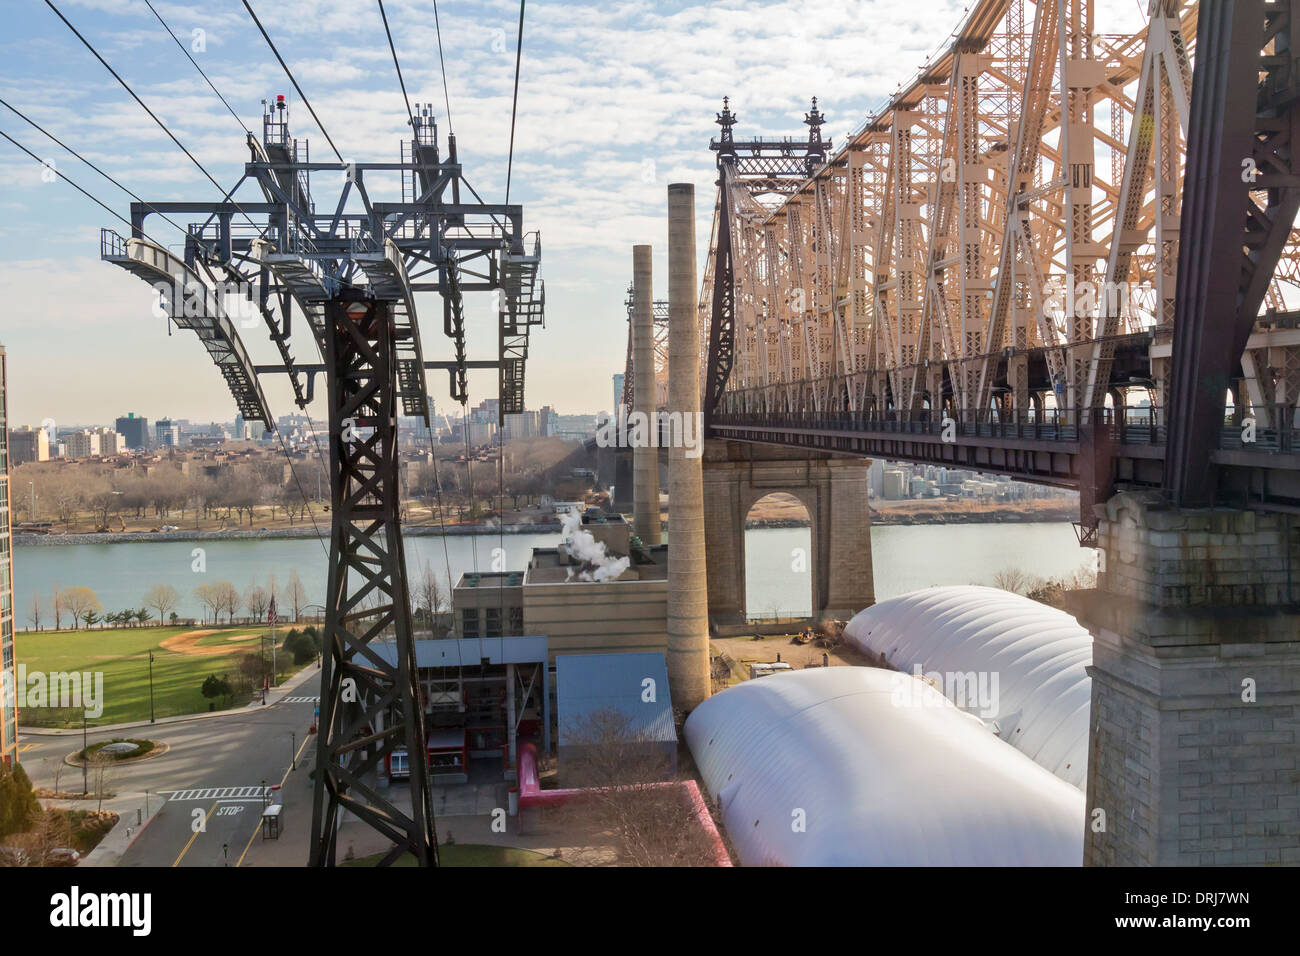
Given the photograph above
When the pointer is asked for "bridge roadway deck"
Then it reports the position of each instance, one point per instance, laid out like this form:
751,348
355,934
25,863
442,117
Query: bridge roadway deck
1263,474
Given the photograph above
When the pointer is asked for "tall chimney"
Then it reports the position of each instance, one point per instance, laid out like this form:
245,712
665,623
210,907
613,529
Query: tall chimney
645,458
688,602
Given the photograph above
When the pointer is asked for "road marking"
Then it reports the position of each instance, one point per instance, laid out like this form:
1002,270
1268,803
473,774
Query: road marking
299,700
217,793
258,827
194,836
23,748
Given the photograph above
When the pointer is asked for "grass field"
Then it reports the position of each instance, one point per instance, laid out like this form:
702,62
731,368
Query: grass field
471,854
122,656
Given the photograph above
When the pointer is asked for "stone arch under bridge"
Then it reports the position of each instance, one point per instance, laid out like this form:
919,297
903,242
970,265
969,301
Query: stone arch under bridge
833,490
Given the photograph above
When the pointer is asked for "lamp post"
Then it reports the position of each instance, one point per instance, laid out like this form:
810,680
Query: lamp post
151,713
293,750
85,757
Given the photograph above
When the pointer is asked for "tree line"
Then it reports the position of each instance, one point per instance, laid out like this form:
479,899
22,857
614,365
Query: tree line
82,606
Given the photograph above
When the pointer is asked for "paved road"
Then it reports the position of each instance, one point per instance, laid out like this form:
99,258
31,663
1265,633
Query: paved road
210,778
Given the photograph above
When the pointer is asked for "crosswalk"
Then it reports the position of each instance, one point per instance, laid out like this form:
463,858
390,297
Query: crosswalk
300,700
217,793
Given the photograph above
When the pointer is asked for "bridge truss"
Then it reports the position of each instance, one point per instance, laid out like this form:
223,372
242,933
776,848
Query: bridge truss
1001,245
660,349
350,269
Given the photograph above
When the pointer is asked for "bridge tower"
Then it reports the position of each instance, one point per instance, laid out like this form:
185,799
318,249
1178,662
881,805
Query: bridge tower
1195,755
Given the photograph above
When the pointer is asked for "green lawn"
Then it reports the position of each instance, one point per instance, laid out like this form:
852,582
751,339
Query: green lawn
470,854
122,656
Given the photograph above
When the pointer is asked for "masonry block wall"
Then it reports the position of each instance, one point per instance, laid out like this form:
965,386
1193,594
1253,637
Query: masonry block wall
1195,687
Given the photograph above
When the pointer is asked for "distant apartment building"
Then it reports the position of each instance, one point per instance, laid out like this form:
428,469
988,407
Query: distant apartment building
895,484
618,390
167,434
8,675
111,443
82,443
28,444
526,424
550,422
134,431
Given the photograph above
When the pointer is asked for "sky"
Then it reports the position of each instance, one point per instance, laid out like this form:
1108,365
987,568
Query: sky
616,101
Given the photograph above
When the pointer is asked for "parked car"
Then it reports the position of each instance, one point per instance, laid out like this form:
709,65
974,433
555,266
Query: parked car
62,856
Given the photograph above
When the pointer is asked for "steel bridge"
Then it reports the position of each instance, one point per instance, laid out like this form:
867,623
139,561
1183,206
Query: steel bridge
1059,252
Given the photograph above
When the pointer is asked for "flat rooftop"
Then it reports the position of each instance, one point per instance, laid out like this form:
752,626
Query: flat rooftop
491,579
552,566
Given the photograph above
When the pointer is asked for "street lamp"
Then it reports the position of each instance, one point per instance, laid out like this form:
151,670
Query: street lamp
151,715
85,757
293,750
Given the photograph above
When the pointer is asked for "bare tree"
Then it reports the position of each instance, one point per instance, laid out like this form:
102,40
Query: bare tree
35,610
256,601
228,596
625,773
79,602
428,596
211,599
295,593
163,598
1014,580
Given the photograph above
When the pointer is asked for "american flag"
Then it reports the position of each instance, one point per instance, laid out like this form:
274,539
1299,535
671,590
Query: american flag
272,618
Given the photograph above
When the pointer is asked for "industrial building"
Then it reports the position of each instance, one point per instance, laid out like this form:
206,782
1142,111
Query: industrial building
597,592
481,697
617,694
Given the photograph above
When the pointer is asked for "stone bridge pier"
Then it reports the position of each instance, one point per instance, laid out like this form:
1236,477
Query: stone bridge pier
1194,756
834,492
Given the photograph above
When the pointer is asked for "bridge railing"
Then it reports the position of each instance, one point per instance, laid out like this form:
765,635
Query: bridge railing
1265,429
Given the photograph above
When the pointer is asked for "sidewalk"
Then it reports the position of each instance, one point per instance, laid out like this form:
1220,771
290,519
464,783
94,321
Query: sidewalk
309,675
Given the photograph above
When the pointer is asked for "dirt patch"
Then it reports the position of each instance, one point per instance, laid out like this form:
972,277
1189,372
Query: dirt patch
744,650
188,643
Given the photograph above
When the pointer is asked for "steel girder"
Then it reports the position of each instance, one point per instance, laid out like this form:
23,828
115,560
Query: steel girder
369,707
1244,196
660,308
192,302
1018,202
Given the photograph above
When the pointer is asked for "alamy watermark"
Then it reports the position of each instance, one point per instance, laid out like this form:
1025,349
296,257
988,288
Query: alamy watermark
65,689
683,430
972,691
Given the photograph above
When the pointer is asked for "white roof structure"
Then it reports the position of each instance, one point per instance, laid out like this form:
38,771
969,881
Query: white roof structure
860,766
1024,659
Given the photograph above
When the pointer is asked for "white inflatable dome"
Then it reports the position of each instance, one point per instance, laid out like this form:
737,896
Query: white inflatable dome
1032,655
859,766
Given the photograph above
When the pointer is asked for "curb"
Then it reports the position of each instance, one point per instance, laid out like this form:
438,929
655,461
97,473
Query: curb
159,748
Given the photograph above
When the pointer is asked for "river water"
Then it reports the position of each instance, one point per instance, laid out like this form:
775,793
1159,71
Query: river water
905,557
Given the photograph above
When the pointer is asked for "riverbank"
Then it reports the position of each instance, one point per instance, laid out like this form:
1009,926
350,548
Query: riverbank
410,530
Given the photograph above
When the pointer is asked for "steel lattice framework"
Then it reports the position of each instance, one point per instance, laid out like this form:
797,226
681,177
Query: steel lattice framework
351,269
661,353
1000,244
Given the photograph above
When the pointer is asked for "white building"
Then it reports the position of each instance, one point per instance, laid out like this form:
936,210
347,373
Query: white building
860,766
